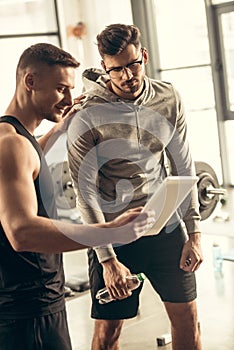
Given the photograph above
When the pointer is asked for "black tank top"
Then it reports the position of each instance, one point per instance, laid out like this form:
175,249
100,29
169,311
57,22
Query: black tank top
31,284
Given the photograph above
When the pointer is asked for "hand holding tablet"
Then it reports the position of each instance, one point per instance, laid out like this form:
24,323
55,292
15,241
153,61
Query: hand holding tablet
167,198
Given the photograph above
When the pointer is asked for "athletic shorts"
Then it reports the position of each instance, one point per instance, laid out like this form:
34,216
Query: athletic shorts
158,257
42,333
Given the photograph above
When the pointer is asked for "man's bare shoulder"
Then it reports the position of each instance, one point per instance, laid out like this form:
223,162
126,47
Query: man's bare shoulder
9,138
16,149
6,128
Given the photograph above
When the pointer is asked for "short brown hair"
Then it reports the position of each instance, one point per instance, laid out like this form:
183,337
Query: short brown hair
48,54
116,37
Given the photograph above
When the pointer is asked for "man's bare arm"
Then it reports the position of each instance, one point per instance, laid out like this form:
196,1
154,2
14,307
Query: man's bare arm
26,231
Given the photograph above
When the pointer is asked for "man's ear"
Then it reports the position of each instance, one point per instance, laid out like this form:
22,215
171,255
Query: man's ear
145,55
29,81
103,65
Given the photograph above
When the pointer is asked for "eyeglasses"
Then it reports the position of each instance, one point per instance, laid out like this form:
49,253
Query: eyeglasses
134,67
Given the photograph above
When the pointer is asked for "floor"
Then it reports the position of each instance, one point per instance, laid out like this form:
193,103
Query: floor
215,296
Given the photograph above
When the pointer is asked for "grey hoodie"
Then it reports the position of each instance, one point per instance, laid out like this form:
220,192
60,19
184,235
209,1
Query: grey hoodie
117,149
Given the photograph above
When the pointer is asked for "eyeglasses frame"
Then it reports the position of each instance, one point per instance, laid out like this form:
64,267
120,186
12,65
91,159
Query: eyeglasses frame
127,65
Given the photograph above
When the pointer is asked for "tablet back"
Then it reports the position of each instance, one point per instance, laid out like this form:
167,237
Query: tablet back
167,198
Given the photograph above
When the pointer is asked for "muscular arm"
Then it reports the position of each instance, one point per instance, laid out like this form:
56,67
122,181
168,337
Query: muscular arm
19,166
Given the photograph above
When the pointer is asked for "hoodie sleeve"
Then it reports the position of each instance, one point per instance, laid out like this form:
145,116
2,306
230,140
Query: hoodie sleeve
83,164
182,164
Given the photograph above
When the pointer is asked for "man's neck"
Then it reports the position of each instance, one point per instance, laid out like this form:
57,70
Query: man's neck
125,96
23,115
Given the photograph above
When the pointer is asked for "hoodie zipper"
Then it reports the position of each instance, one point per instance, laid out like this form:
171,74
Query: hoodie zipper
138,127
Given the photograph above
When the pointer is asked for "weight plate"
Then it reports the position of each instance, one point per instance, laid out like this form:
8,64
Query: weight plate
64,192
207,179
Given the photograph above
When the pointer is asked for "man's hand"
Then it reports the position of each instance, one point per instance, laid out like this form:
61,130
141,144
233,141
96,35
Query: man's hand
63,124
114,274
132,225
192,257
47,140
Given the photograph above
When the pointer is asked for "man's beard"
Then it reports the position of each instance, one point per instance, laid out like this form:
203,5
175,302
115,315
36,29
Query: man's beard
131,88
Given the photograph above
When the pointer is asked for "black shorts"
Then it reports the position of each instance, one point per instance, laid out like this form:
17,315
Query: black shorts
158,257
42,333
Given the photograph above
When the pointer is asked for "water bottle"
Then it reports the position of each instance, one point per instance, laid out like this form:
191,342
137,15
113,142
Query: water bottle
133,282
217,258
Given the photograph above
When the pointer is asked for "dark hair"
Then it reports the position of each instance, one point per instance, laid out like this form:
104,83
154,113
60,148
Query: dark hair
116,37
47,54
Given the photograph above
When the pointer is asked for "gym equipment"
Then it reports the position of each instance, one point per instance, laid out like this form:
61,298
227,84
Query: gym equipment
164,339
78,282
68,292
65,196
219,257
209,190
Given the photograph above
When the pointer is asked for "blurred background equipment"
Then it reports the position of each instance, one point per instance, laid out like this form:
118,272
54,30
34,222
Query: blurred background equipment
64,192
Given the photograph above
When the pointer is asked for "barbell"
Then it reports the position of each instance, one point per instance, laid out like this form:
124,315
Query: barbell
209,190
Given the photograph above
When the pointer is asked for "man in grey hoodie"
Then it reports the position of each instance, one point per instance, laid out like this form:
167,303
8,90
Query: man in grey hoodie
117,144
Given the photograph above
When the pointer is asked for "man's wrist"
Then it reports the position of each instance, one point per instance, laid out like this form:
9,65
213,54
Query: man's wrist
195,236
105,253
108,261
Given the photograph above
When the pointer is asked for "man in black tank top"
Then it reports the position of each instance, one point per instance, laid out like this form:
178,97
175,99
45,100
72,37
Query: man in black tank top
32,306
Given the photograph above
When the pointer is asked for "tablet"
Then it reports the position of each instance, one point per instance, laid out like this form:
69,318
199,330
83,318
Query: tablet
167,198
